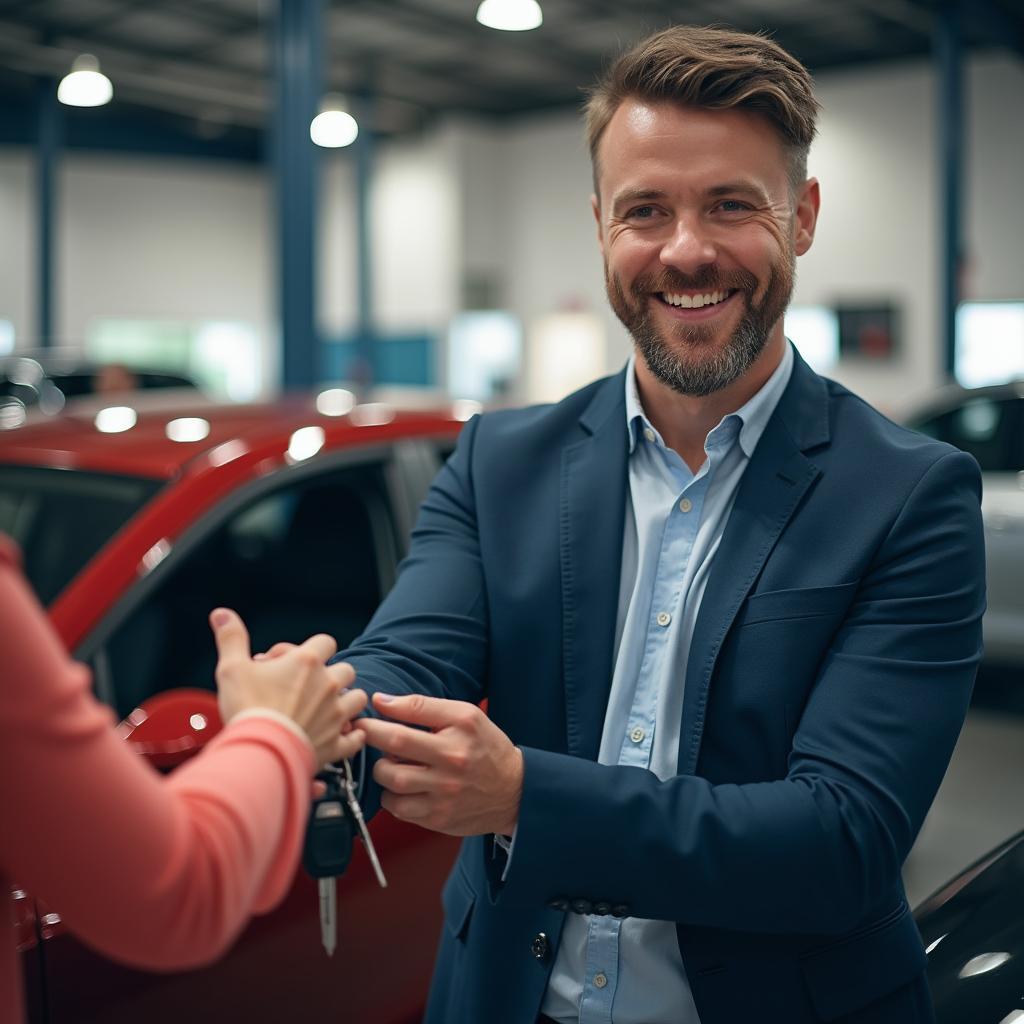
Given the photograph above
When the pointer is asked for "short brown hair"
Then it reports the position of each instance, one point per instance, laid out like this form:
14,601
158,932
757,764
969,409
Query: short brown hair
717,69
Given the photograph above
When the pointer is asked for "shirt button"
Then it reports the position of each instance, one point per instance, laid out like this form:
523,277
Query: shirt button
685,505
600,980
648,433
663,618
637,735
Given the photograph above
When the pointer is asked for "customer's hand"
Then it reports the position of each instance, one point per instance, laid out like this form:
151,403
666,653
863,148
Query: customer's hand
297,684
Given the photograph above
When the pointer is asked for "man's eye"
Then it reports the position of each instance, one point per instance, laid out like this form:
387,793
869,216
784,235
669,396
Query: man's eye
733,206
641,213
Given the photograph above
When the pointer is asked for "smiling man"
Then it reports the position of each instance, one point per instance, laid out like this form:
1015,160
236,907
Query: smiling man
726,615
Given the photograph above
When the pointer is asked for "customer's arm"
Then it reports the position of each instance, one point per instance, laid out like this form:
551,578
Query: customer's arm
153,871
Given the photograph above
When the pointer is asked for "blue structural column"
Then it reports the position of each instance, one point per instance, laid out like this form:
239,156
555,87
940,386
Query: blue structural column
951,134
48,144
298,70
366,339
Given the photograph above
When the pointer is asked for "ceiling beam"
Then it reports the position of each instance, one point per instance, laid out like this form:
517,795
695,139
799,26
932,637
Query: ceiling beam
1002,26
187,94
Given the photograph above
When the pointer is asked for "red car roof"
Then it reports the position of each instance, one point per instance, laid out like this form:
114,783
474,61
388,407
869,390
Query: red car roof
74,441
239,444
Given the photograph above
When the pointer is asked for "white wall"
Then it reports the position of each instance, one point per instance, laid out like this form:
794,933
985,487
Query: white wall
161,240
879,233
553,263
509,204
18,253
337,288
995,206
878,236
416,252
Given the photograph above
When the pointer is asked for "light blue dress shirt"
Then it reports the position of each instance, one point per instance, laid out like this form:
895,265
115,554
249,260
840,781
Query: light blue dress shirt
629,971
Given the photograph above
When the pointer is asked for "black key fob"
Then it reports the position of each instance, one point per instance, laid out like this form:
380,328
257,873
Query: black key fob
329,833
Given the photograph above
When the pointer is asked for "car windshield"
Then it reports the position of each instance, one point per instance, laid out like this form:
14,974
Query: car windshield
991,428
61,518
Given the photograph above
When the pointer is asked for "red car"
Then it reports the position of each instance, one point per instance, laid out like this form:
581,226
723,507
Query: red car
133,525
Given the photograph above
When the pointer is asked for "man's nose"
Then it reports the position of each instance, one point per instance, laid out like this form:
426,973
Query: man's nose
689,248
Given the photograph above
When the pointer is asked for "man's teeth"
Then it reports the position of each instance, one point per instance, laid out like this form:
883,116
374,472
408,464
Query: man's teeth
695,301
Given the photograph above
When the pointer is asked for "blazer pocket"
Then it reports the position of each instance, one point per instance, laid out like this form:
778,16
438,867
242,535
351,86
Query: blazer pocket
458,899
796,604
865,965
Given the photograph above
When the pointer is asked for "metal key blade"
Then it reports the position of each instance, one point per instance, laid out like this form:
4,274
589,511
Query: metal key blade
328,914
357,812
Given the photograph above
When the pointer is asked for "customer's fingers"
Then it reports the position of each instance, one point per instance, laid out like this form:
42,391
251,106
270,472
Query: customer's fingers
348,746
274,652
352,702
342,674
321,645
230,635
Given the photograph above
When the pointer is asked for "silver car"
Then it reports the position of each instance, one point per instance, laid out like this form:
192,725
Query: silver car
989,423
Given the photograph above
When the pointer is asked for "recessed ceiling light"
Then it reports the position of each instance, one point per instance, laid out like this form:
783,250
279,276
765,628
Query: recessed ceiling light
510,15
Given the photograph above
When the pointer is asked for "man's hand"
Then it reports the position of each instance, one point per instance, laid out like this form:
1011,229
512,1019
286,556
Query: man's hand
464,777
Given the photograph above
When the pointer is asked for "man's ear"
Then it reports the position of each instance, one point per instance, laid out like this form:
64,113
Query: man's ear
595,207
806,217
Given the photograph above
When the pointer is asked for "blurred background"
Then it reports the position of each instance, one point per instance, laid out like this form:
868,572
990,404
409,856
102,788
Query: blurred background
258,196
189,224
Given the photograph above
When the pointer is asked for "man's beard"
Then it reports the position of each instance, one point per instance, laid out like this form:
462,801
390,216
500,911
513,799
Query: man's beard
690,362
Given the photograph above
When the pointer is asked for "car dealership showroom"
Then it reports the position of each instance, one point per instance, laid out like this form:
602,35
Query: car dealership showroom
714,311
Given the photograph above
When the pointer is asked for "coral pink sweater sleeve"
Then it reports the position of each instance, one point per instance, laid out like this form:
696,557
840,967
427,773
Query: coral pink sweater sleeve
157,872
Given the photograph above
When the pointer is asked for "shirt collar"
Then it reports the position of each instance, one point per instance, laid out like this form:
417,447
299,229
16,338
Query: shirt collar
753,415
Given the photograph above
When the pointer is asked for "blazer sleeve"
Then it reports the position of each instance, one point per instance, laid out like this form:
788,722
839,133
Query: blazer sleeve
156,872
820,849
430,633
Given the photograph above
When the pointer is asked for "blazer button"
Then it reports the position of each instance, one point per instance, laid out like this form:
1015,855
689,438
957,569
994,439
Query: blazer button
580,906
602,909
539,946
620,910
559,903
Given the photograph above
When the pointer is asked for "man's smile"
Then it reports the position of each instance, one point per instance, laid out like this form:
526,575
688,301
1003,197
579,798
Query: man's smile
692,306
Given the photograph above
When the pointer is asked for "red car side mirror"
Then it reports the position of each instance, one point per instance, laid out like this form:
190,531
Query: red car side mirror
172,726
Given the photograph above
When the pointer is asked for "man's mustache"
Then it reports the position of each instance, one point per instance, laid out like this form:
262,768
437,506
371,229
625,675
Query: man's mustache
708,279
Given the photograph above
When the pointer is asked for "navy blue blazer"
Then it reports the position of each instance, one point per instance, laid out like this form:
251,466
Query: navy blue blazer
828,679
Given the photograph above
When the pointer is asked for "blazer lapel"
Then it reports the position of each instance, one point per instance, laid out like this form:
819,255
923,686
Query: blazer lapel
774,484
592,515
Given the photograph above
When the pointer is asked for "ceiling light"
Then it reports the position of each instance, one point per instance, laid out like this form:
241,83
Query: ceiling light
334,127
510,15
85,85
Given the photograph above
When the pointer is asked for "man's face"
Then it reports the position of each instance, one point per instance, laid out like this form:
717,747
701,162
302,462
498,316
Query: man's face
699,233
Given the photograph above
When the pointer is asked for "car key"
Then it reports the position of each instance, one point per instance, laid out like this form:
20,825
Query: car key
327,852
349,786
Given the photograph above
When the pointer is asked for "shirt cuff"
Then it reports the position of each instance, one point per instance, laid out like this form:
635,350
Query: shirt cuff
275,716
507,843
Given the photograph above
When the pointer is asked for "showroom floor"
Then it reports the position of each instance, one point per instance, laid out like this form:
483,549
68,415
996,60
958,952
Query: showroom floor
980,802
